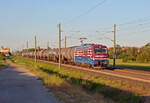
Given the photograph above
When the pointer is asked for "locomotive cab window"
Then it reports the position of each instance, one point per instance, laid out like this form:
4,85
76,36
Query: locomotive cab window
100,50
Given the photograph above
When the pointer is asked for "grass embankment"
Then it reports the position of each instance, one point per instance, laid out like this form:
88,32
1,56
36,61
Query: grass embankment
78,87
2,62
131,65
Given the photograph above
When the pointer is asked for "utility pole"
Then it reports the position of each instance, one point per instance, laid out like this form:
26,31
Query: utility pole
114,57
59,31
27,45
65,41
47,44
35,49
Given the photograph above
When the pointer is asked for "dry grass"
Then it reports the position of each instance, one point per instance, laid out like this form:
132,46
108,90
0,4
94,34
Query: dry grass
78,87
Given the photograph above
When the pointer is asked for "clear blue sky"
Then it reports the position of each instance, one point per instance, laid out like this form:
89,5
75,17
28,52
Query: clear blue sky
20,20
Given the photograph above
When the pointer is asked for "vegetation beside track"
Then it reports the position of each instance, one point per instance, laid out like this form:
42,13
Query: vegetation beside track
134,54
74,86
130,65
2,62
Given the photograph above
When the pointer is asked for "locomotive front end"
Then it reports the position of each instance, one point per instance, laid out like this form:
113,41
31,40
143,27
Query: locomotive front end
100,56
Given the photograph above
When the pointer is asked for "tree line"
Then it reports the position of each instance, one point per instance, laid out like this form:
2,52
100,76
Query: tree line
132,54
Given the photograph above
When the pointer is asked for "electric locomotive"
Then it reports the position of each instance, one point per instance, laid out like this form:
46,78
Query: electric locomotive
93,54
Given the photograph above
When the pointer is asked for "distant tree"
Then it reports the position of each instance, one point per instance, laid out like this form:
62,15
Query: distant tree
140,58
125,59
123,54
132,54
148,44
2,57
28,50
118,51
129,54
111,53
146,54
143,55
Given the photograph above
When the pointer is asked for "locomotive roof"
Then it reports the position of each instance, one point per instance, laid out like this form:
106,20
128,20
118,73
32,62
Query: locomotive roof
87,46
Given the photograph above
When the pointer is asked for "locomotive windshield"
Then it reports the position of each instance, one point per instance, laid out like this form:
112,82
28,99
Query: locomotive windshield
100,50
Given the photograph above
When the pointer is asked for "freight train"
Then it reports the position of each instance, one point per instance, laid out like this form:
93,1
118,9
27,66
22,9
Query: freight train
92,55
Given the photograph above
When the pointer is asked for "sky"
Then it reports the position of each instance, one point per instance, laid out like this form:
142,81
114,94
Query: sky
21,20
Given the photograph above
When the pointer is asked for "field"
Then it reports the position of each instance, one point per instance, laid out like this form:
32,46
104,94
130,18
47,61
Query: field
131,65
74,86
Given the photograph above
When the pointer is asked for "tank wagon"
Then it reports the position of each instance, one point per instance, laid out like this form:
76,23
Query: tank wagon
93,55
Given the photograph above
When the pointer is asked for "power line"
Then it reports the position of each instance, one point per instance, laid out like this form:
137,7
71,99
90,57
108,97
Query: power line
146,30
136,21
144,19
87,12
137,28
139,22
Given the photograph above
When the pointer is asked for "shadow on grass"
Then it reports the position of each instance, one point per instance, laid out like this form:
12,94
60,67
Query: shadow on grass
2,66
115,94
134,67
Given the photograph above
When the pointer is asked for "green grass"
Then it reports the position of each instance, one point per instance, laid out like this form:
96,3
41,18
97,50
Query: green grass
2,62
131,65
113,89
3,65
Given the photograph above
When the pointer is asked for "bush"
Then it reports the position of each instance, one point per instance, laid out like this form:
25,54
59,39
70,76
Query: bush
125,59
2,57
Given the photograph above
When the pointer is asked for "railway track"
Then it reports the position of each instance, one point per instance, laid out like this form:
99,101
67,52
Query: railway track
135,71
134,75
120,74
137,74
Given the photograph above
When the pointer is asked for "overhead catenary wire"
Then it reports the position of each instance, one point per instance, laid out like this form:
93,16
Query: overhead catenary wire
142,22
135,21
85,13
104,37
141,25
137,28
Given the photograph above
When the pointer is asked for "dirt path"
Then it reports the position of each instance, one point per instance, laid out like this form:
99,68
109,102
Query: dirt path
18,85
